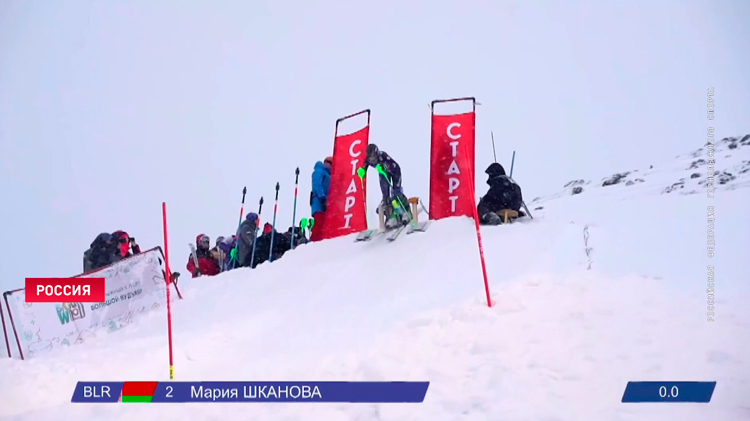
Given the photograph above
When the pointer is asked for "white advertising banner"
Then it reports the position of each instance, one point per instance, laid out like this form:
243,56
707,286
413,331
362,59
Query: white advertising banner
134,286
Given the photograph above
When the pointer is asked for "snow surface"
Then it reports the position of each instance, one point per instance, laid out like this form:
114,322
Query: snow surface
567,331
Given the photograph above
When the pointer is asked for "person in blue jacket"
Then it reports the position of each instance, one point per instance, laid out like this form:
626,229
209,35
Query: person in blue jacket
321,184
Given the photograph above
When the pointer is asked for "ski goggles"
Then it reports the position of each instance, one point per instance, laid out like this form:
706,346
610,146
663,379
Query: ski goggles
205,240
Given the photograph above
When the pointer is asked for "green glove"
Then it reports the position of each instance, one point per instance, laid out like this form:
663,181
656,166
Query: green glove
361,172
233,254
381,170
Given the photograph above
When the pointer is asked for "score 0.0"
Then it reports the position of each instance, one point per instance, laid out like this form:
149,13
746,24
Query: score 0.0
668,392
672,392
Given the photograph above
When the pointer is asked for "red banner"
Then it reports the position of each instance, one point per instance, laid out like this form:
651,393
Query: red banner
346,211
451,172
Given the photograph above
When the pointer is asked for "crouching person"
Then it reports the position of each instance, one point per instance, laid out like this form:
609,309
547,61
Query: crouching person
207,265
504,194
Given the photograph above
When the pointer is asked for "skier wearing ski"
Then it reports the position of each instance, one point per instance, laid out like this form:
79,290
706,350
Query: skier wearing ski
207,265
246,235
321,185
390,186
504,193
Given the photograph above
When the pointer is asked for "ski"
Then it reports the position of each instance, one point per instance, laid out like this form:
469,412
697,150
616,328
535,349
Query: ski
393,235
418,227
367,235
194,255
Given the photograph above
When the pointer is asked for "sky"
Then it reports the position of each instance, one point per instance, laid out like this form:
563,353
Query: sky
108,109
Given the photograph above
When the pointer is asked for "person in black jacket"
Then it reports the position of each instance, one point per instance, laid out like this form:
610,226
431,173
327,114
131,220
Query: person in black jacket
246,236
100,254
504,193
263,246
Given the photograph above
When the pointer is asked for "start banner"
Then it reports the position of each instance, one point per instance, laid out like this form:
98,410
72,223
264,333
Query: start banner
346,213
133,287
452,163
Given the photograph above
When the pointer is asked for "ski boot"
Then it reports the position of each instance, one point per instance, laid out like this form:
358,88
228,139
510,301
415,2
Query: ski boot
403,215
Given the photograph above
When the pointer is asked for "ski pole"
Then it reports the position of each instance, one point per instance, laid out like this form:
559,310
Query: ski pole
306,224
361,172
242,206
255,234
294,213
242,212
493,146
273,225
397,199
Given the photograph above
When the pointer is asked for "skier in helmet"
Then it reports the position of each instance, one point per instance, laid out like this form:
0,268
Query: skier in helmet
390,186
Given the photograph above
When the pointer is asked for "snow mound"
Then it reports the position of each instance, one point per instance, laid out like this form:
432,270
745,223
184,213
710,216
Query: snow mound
597,290
687,174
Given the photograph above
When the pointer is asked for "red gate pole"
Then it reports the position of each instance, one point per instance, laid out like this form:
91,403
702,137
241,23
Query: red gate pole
168,281
479,232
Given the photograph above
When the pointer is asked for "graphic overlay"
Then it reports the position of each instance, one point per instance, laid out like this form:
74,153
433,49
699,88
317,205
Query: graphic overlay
97,392
698,392
138,392
185,392
64,290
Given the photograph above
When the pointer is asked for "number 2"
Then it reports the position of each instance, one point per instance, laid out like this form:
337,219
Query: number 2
169,391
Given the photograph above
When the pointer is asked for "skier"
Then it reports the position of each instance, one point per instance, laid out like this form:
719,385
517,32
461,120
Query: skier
504,193
395,204
246,236
321,184
207,265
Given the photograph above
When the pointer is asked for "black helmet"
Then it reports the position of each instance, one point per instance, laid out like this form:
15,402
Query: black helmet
372,153
495,169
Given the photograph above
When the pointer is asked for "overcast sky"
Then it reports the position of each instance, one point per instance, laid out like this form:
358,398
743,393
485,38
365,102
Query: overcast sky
109,108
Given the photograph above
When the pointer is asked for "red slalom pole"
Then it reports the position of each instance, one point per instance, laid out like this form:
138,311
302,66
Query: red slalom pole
169,298
479,232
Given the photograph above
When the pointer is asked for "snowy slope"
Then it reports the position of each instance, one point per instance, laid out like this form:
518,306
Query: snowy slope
567,331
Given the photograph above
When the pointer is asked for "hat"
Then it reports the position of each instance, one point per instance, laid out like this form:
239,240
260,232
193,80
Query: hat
328,160
495,169
252,216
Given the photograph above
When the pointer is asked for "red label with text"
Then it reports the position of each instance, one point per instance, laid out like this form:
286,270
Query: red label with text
64,290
